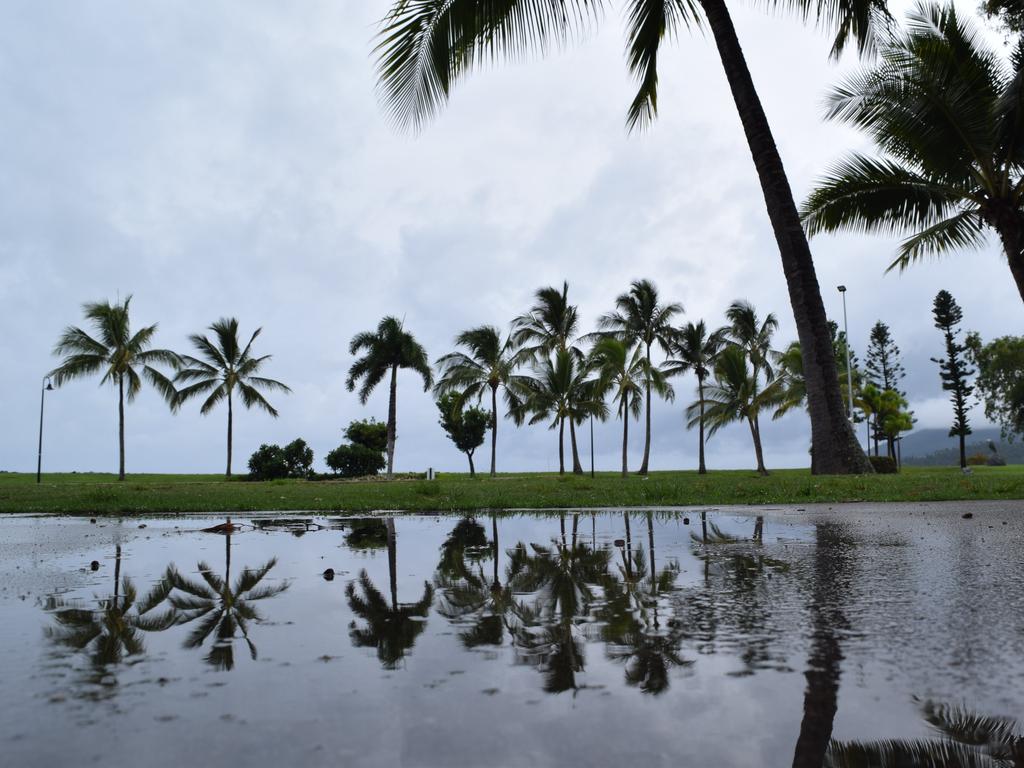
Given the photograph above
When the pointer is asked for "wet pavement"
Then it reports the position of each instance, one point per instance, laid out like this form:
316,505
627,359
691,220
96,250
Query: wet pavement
724,637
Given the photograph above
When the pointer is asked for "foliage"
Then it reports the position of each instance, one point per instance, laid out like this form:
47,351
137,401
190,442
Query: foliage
944,113
1000,381
353,460
298,458
883,465
1009,14
268,462
883,367
953,368
368,433
551,324
465,427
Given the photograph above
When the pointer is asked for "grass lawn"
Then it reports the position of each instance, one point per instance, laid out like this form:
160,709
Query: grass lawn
147,494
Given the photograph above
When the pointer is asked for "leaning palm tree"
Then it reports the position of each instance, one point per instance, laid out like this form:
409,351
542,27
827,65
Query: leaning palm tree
625,374
117,353
641,317
427,46
694,349
386,350
561,390
943,110
222,366
490,364
736,395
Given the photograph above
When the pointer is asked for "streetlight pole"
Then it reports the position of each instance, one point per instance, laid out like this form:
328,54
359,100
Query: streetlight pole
47,387
591,446
849,368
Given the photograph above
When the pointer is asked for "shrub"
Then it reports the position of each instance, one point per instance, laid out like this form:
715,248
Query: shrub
883,465
369,434
355,460
268,463
977,460
298,458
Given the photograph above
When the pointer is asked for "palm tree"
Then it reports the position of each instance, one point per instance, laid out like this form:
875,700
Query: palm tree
694,349
427,46
386,350
754,336
625,374
222,366
736,395
490,364
116,353
391,628
220,608
561,390
640,317
551,324
942,110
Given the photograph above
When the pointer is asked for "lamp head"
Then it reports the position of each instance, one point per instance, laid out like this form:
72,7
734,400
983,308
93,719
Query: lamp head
842,288
49,386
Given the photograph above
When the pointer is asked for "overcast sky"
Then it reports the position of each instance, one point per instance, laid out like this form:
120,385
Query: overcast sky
231,159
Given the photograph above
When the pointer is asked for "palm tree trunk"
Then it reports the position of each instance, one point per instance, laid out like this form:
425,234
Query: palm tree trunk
1009,223
647,418
117,574
629,547
392,561
230,420
577,468
625,432
494,537
494,430
561,445
650,544
832,439
755,434
392,412
227,557
701,469
120,426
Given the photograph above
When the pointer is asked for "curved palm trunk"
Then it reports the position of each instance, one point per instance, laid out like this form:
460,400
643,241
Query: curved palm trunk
701,468
230,420
625,433
835,447
647,417
494,430
391,421
392,561
561,446
577,468
1009,223
120,426
755,434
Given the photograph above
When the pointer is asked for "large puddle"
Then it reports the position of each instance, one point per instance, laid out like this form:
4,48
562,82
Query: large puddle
603,639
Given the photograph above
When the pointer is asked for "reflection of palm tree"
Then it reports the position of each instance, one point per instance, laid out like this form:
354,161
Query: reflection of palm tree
220,609
390,628
113,630
966,738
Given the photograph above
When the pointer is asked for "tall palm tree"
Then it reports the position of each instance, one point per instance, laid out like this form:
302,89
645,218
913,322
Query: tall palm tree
625,373
117,353
490,364
751,334
736,395
640,317
562,390
694,349
386,350
427,46
391,628
943,110
222,366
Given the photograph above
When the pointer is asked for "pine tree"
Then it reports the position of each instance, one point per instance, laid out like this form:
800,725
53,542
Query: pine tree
883,366
953,368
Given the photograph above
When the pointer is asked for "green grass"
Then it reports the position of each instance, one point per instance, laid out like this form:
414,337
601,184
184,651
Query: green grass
147,494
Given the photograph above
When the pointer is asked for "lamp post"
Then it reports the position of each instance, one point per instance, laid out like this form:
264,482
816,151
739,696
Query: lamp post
591,446
47,387
849,368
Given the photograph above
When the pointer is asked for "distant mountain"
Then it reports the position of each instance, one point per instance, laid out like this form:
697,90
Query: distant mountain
935,448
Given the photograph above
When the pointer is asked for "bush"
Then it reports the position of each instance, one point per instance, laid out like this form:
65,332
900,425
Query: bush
355,460
977,460
298,458
369,434
883,465
268,463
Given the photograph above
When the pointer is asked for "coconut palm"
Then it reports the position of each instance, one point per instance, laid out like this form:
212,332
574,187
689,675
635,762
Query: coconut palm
490,364
427,46
386,350
751,334
624,372
561,390
694,349
222,366
943,109
640,318
118,354
112,630
551,324
391,628
736,395
219,608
